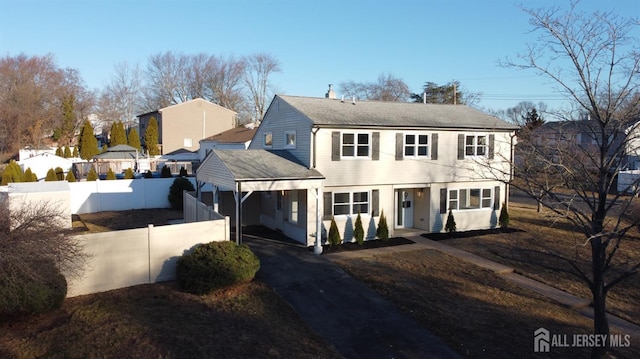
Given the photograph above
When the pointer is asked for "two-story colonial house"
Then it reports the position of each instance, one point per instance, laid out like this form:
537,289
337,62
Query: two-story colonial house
315,159
183,125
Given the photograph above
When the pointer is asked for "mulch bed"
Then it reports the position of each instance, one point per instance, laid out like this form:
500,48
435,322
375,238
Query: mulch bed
264,232
377,243
467,234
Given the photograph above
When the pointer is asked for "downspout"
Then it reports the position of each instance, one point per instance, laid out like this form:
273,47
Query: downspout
314,130
508,186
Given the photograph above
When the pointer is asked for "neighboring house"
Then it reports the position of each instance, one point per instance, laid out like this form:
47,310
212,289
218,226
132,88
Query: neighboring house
30,151
237,138
313,159
41,164
119,158
184,124
54,196
561,136
178,159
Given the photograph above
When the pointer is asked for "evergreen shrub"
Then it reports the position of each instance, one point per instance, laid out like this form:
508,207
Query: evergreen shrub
165,172
21,294
175,192
383,228
334,234
503,219
216,265
450,226
358,231
92,175
128,174
110,174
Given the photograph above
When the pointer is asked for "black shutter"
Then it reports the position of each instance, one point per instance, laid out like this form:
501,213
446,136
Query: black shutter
443,200
328,205
375,146
461,146
375,203
335,146
434,146
399,146
492,140
496,198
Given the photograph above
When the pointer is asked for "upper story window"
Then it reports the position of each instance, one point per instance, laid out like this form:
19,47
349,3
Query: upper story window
268,139
475,145
416,145
290,139
356,144
187,142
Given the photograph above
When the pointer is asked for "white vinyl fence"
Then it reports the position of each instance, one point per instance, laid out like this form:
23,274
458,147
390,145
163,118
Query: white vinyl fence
120,195
195,211
131,257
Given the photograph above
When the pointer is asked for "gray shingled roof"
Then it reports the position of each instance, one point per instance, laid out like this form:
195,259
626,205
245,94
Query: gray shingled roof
263,165
335,112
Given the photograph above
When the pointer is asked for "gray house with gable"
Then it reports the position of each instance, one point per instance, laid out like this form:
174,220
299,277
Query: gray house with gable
342,158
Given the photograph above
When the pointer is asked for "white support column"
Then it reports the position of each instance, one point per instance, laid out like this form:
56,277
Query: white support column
238,196
317,248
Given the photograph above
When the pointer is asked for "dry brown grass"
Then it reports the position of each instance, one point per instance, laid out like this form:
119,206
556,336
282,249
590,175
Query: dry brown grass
118,220
478,313
159,321
540,234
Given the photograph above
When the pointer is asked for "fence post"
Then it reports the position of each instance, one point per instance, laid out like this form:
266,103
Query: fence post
149,230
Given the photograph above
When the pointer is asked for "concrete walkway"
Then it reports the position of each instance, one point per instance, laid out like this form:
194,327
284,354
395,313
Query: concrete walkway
353,318
581,305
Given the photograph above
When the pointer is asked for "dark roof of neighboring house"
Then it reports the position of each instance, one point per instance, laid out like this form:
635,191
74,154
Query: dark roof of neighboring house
335,112
263,165
179,151
119,152
234,135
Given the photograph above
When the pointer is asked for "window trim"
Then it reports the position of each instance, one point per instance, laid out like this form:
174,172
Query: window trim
355,145
466,192
416,145
294,201
351,203
475,145
286,139
264,140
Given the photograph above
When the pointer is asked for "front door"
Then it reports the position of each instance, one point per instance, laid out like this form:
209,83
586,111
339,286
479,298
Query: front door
279,218
404,208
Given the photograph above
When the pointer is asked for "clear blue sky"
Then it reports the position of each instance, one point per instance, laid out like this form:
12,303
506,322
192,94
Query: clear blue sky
316,42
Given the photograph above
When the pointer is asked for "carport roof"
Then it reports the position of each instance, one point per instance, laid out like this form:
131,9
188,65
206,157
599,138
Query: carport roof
259,164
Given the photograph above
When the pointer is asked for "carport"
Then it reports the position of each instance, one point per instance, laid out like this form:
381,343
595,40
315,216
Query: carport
244,172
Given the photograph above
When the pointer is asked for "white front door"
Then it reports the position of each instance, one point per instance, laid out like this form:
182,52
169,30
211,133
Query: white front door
279,218
404,208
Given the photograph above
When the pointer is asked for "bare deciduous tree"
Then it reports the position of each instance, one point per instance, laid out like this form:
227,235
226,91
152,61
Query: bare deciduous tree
32,234
120,100
386,88
259,68
594,62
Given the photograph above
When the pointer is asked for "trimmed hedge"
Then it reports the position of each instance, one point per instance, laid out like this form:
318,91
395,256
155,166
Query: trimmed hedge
216,265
